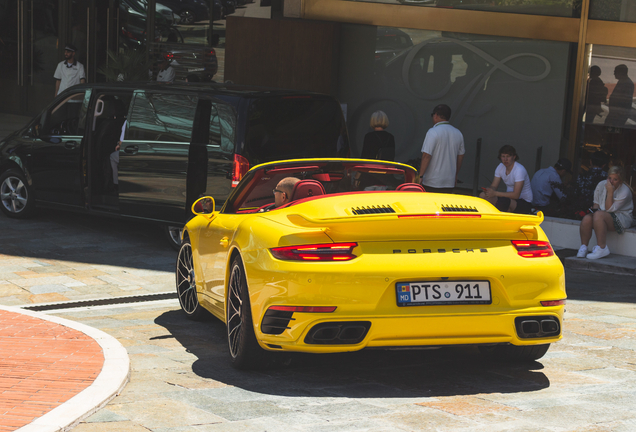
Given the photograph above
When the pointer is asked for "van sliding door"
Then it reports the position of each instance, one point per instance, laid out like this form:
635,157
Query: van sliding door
153,159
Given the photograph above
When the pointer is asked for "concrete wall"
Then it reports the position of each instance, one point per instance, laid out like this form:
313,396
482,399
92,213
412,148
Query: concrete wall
564,233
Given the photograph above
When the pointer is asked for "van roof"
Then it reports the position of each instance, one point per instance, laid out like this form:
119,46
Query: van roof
212,88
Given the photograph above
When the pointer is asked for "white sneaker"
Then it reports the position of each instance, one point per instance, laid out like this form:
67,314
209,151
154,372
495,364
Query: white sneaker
582,252
599,252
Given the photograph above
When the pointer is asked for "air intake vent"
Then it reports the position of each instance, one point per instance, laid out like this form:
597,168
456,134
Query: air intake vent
372,209
454,208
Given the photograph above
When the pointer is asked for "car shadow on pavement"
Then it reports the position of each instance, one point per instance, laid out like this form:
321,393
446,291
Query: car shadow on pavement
447,371
67,236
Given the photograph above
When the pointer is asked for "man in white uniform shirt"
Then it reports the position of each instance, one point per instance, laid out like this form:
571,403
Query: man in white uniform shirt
442,153
68,72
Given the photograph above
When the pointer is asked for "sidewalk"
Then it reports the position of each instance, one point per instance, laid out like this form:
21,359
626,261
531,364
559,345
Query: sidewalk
55,372
612,264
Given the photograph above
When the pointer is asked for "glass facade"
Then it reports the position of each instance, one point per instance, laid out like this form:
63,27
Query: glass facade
501,90
562,8
613,10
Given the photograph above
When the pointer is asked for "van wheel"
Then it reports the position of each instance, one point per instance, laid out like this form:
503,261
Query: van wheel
513,353
173,235
15,195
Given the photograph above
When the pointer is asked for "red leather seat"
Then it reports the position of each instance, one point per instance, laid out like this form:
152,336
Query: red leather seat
307,188
410,187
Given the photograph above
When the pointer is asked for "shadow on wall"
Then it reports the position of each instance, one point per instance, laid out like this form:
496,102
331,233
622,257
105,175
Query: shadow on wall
372,373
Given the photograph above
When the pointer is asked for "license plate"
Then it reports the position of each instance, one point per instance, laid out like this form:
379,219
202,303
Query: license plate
442,293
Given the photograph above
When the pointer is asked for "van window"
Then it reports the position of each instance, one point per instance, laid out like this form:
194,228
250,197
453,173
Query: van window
66,118
161,117
223,125
295,127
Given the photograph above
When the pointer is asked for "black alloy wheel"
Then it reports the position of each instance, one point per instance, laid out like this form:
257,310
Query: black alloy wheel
187,16
245,352
173,235
187,287
16,198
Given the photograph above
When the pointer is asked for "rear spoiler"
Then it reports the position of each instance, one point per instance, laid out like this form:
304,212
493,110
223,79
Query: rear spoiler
431,226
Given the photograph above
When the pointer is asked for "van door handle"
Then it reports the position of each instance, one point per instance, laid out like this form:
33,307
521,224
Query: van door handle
70,145
133,149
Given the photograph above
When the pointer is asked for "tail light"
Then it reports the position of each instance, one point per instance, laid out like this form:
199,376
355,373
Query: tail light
240,167
317,252
168,56
209,53
533,248
312,309
553,303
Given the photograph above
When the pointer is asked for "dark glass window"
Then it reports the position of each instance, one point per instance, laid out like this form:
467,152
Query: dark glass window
563,8
161,117
65,118
222,128
295,127
613,10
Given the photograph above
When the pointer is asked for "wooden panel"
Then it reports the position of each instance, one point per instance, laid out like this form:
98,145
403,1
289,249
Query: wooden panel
442,19
297,55
611,33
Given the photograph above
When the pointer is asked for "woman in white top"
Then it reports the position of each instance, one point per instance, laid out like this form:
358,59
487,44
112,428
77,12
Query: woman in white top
611,211
518,195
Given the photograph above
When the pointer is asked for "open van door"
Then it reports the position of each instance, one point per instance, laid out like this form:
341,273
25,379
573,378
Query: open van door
177,148
153,158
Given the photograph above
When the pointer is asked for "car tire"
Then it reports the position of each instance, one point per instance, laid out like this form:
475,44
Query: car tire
173,235
16,196
187,287
187,16
513,353
245,352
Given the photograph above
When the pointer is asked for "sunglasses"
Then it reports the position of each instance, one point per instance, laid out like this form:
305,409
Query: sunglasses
277,190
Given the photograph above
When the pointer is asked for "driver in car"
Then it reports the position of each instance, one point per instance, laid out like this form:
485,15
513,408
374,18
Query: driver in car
282,193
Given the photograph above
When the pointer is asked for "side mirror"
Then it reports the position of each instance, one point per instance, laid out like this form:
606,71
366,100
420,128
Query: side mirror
203,206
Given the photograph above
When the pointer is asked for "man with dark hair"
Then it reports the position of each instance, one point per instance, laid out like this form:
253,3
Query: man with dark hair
442,153
68,72
621,99
546,183
596,94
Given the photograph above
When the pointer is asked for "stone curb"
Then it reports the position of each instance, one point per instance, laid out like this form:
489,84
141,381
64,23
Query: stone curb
112,379
613,264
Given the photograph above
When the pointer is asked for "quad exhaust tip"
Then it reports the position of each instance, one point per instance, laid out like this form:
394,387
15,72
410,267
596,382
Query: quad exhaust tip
533,327
338,333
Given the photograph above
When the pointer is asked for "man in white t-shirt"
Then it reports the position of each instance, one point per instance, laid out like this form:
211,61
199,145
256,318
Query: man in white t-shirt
68,72
442,153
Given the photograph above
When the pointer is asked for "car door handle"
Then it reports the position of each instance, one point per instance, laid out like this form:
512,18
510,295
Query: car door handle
70,145
133,149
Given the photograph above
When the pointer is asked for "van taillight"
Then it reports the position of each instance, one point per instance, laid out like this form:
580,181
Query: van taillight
239,169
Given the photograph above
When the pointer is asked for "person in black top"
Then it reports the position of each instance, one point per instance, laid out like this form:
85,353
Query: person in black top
378,144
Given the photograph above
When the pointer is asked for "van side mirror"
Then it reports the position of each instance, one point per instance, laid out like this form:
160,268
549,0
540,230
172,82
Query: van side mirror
203,206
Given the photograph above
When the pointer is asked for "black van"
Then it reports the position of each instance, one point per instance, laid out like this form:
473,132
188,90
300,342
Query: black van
180,141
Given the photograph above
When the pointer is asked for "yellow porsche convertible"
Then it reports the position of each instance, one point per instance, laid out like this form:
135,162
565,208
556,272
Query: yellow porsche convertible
355,254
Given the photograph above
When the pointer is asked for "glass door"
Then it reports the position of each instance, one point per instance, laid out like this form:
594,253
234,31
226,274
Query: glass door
33,34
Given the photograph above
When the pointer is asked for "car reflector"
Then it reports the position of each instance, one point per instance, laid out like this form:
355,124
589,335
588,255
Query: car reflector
312,309
553,303
533,248
317,252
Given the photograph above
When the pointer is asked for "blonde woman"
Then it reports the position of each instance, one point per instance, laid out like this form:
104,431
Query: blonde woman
378,144
611,211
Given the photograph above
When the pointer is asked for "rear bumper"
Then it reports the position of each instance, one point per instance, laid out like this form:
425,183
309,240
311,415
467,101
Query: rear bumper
413,331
